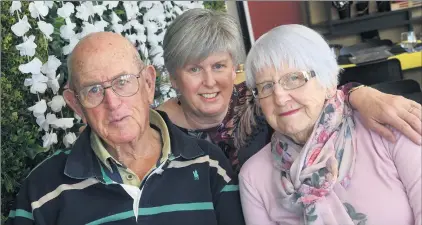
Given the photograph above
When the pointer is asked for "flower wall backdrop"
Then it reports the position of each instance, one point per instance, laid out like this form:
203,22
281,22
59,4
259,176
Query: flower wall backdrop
36,39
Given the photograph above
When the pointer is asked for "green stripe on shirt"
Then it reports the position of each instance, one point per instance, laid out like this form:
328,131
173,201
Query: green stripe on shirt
156,210
228,188
21,213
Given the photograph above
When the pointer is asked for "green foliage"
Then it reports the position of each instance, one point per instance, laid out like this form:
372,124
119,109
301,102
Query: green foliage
19,132
215,5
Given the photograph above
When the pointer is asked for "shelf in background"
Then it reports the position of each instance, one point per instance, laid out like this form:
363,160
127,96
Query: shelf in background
374,21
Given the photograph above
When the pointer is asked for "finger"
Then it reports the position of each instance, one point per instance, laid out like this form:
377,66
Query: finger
404,127
414,121
383,131
417,111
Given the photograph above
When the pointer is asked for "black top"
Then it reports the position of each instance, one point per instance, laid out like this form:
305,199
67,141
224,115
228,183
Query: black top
196,185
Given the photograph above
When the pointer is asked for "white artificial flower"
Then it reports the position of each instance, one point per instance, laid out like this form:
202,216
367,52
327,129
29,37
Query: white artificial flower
87,28
33,67
69,48
77,117
53,83
136,25
99,9
46,28
143,49
49,139
38,83
38,8
57,103
39,108
66,31
85,10
165,88
66,10
111,4
21,27
172,93
131,9
146,4
50,118
49,4
42,122
49,68
16,6
100,25
63,123
115,18
27,48
69,139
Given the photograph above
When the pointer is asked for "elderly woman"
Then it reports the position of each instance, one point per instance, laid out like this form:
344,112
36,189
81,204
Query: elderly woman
202,50
322,165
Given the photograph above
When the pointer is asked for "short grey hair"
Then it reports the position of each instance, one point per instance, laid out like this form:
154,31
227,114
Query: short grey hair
293,46
198,33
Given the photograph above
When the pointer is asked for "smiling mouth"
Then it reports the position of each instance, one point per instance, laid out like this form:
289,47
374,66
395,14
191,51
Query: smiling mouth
209,95
288,113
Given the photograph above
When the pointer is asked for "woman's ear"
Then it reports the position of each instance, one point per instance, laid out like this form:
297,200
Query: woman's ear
73,102
173,81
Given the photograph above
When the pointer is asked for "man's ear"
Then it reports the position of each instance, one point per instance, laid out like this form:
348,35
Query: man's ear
73,103
150,76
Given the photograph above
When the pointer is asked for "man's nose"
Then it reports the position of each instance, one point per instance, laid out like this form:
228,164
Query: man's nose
111,99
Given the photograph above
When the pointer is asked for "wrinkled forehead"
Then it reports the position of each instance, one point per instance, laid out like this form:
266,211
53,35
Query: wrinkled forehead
98,68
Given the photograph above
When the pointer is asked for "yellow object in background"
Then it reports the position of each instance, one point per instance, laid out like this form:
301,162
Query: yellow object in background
407,60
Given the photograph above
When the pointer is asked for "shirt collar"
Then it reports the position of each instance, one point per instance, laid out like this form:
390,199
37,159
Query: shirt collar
83,161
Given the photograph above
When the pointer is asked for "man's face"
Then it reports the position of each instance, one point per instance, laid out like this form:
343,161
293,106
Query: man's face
117,120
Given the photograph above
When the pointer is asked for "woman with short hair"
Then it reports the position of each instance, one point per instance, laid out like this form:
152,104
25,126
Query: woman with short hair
202,49
322,166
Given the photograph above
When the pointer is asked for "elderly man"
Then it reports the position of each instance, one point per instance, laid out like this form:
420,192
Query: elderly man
131,165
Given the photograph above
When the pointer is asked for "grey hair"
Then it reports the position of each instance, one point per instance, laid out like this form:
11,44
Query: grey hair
293,46
196,34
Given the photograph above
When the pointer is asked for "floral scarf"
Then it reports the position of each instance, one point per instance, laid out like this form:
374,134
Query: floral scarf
312,178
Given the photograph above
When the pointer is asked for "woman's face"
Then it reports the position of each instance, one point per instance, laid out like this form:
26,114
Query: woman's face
206,87
291,112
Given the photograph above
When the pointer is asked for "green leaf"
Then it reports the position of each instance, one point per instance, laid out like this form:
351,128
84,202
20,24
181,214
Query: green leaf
311,218
358,216
315,180
34,149
350,210
119,12
312,211
322,172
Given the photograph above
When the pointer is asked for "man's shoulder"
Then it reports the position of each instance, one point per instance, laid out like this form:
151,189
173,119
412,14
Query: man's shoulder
49,168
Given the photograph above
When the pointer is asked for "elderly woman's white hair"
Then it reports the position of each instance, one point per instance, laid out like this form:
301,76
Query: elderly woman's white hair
293,46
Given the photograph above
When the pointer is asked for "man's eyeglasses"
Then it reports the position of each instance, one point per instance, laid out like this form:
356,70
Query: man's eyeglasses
124,86
288,81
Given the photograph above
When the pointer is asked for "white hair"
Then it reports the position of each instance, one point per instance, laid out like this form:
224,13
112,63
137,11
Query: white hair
293,46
